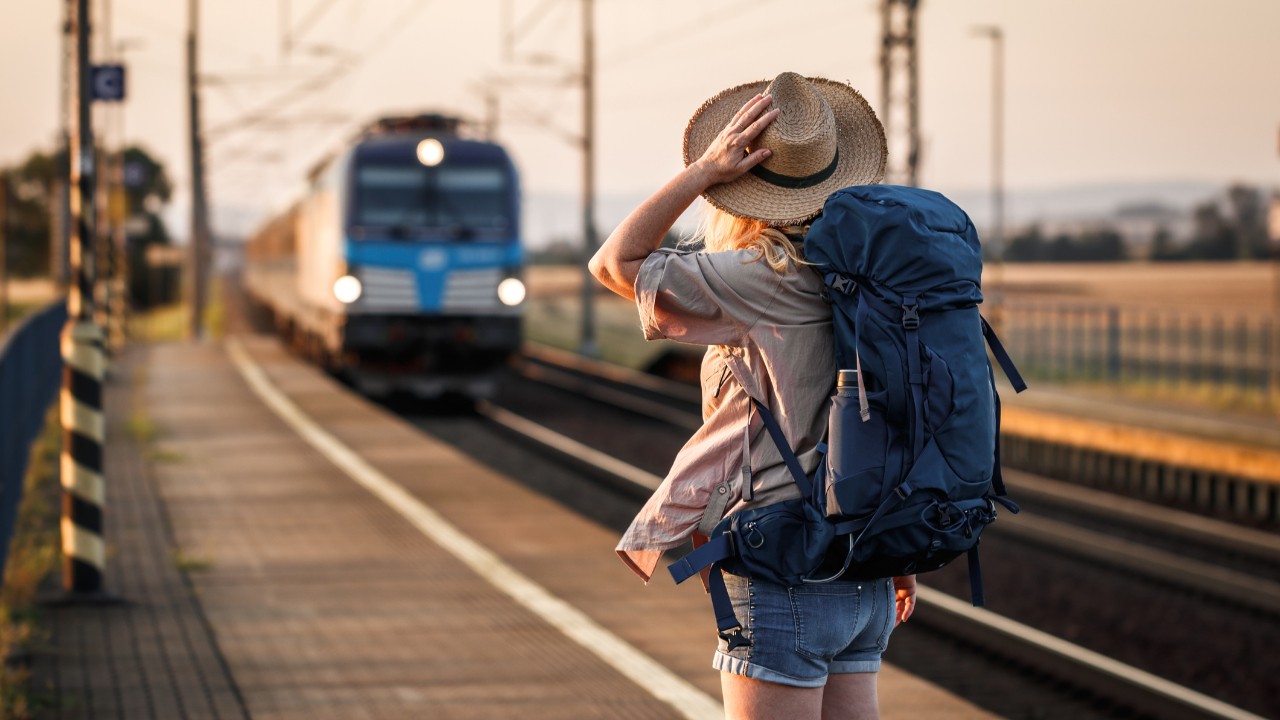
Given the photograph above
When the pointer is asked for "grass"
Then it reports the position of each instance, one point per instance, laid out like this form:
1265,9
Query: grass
554,318
163,324
1208,396
172,323
14,312
165,457
33,557
191,563
141,428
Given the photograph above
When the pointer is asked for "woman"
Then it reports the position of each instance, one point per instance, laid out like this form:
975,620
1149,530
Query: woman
765,157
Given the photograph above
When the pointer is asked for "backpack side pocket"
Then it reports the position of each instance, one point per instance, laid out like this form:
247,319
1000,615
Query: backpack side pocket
856,454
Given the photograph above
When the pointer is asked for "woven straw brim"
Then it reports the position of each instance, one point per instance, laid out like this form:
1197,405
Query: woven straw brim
860,140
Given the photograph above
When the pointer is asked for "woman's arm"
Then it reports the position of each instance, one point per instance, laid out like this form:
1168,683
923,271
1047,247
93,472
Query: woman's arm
618,260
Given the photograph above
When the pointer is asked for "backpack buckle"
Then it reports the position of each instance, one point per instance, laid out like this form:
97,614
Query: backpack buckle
840,283
734,639
911,317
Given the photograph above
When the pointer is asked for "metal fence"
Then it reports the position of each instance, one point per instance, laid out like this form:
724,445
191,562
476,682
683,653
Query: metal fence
1139,346
30,372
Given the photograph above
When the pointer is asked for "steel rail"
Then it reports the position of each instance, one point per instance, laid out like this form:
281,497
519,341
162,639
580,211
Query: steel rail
614,373
1003,636
1230,586
593,389
1080,666
1222,535
1225,535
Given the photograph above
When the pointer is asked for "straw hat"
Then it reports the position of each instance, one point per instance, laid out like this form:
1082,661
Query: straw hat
826,137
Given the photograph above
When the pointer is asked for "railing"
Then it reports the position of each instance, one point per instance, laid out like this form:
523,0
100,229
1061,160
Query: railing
1138,346
30,372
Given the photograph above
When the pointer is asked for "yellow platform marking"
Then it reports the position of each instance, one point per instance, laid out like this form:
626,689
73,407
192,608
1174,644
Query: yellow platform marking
1152,445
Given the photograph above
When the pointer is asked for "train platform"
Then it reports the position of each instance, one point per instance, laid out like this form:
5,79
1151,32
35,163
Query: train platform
1223,425
283,548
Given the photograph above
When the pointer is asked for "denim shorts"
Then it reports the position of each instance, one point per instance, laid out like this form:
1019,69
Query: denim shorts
800,635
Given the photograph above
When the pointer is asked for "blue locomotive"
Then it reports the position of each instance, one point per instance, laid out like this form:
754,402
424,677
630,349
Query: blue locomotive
401,267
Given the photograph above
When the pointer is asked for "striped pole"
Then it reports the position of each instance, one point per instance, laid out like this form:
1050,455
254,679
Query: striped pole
83,423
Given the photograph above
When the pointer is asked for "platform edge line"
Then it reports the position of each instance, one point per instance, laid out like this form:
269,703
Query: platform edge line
636,666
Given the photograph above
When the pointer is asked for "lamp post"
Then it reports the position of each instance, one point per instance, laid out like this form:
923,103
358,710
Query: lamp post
588,346
1273,231
997,163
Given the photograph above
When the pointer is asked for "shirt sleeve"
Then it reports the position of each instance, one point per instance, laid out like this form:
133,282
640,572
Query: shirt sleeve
703,298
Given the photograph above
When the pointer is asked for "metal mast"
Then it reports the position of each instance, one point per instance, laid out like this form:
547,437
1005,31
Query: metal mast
588,346
898,66
83,423
199,243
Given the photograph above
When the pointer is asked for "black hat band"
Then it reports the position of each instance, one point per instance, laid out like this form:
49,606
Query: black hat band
797,183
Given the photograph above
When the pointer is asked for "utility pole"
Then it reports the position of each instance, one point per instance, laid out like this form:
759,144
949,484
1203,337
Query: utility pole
586,141
899,63
286,39
198,246
1273,232
5,210
60,235
588,347
997,168
102,133
83,424
491,112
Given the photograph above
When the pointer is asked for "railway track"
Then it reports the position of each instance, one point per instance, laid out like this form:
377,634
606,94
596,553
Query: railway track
626,427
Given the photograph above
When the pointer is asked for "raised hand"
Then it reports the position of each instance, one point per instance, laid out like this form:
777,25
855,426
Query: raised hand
730,154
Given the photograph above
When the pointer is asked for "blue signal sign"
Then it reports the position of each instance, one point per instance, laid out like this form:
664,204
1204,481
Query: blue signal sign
106,82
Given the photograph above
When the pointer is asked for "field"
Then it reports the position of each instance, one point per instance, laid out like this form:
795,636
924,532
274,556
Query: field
1247,288
1202,332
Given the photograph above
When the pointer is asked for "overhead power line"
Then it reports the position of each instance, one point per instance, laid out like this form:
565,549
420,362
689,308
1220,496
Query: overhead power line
317,12
707,21
273,107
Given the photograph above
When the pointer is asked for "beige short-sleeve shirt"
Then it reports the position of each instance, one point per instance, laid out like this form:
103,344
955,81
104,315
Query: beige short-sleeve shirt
769,336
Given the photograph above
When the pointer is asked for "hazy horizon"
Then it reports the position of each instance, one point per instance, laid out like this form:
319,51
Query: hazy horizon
1145,92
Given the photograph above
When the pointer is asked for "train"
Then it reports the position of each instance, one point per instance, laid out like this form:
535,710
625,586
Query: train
400,268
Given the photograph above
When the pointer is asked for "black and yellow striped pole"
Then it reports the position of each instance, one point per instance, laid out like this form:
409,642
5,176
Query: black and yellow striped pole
83,423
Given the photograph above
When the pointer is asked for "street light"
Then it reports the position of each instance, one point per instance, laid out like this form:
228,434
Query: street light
997,161
1273,231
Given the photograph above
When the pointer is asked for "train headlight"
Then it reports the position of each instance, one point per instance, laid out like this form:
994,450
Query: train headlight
511,292
430,152
347,289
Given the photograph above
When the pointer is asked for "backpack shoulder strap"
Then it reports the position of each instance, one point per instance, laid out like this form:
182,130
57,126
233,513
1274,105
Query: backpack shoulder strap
788,455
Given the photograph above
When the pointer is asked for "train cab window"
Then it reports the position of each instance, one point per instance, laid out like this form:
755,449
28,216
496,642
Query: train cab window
418,201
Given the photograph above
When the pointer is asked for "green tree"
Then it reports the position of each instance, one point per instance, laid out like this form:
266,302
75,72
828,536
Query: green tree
146,181
1099,245
34,199
1249,221
1213,237
1163,248
31,186
1028,246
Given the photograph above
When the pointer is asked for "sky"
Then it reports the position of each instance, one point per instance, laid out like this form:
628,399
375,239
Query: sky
1096,91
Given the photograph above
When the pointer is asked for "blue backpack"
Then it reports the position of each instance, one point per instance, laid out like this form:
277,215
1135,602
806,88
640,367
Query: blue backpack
911,473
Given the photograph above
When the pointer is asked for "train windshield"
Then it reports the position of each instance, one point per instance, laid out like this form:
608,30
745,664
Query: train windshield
457,201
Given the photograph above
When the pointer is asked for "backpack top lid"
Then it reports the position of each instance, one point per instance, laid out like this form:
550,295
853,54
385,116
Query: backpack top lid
905,239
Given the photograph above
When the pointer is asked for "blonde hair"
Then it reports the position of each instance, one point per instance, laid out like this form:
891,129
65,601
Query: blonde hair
719,231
